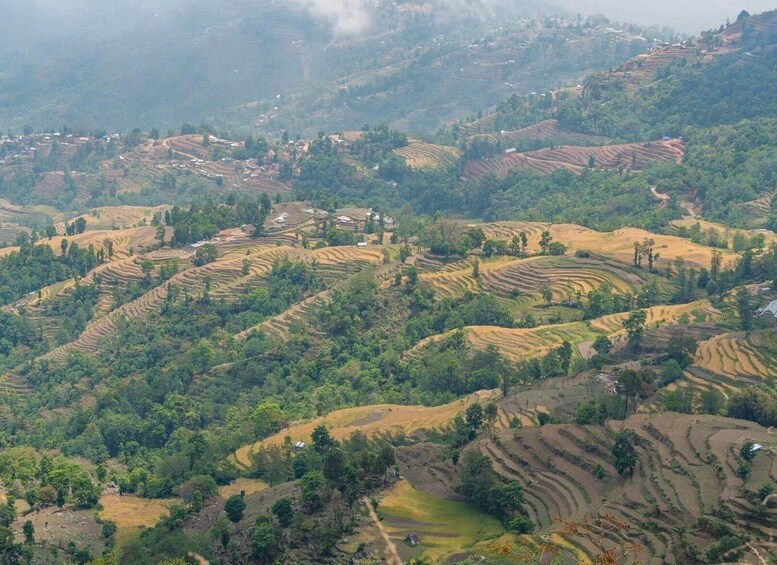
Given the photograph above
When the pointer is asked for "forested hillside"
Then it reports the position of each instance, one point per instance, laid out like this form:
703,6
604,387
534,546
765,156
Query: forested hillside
269,67
543,335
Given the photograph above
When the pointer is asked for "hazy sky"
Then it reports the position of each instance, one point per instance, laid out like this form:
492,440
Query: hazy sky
689,16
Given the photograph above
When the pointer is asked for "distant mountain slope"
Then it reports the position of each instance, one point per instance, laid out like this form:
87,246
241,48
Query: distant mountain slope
275,66
718,78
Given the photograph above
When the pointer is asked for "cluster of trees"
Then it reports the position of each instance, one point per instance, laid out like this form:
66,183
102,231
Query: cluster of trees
43,481
331,476
203,222
33,267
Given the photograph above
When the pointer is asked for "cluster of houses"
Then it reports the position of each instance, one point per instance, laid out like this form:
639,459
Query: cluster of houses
357,219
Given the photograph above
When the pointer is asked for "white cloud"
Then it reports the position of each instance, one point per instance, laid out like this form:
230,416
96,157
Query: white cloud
348,17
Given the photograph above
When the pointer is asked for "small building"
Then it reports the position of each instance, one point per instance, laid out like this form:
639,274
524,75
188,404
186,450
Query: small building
300,445
362,244
345,220
769,313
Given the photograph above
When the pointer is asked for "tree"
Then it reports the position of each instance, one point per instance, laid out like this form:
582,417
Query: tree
220,531
602,345
476,270
545,240
635,328
557,248
205,254
477,478
405,252
637,254
147,266
322,441
311,486
265,540
546,292
745,309
160,235
682,348
624,451
29,532
235,507
490,414
474,415
284,511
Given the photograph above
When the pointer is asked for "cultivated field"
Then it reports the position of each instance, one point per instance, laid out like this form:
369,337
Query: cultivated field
375,419
547,131
633,156
429,156
617,245
685,470
116,217
444,527
567,277
123,240
694,313
131,512
738,356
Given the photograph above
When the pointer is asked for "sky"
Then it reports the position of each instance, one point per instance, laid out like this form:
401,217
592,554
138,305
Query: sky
24,21
687,16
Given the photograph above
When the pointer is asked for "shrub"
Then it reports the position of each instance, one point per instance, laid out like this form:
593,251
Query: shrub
522,525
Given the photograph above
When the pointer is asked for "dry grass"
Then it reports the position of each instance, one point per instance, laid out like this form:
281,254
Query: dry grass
133,512
249,486
374,419
617,245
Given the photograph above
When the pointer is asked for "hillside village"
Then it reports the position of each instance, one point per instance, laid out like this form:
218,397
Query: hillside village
542,335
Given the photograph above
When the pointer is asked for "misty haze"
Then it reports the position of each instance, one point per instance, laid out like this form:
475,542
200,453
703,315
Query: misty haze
362,282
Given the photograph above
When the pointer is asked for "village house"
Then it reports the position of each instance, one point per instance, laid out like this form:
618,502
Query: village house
769,314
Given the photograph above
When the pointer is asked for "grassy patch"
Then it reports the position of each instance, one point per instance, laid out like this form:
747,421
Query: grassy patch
443,526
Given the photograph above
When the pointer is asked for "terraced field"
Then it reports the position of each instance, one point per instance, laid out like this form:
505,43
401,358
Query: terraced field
522,343
727,232
632,156
278,326
694,313
481,125
643,68
739,357
123,240
567,276
429,156
677,481
116,217
223,277
544,132
617,245
525,343
375,419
